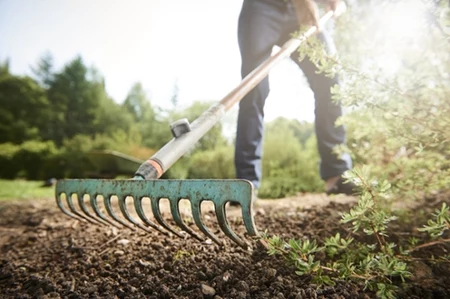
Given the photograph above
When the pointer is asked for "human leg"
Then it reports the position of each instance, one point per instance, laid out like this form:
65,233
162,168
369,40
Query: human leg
327,112
258,30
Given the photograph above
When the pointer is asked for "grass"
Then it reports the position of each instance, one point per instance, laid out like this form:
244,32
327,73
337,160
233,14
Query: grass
22,189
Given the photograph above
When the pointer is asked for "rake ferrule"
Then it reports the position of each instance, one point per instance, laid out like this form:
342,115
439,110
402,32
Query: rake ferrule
149,170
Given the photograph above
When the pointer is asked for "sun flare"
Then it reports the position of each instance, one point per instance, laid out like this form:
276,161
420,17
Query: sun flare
400,27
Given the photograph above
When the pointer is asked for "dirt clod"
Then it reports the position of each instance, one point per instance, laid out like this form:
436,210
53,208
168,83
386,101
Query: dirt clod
207,290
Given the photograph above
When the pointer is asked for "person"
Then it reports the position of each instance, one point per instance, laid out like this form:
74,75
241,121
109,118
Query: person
261,25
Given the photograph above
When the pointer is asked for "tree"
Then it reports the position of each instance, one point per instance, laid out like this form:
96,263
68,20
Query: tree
153,128
4,67
24,108
77,96
138,104
44,70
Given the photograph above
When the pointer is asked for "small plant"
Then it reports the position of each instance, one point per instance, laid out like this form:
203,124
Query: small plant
181,254
374,262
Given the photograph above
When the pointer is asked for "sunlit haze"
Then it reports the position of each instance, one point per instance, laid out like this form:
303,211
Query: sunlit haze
401,26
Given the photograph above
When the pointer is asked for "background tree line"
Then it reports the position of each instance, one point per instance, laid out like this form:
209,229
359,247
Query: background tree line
50,120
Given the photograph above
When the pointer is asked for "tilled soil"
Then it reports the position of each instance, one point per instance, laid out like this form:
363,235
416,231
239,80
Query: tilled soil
46,254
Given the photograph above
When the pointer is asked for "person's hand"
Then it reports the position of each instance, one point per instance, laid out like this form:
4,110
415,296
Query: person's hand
333,4
307,12
337,6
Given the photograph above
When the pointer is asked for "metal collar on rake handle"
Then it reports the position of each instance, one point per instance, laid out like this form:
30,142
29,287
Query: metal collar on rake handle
145,183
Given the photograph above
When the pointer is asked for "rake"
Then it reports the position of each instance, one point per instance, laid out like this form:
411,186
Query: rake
146,182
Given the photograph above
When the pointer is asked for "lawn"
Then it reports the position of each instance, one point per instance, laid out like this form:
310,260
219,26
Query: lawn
22,189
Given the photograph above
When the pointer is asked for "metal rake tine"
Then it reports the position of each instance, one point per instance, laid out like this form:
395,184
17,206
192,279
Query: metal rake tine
140,211
247,213
63,209
175,209
224,225
72,208
86,211
157,213
111,213
97,211
124,210
196,214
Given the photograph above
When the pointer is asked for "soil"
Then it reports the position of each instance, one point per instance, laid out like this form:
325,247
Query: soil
46,254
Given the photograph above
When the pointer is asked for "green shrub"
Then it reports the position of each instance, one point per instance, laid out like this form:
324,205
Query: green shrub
289,166
72,159
8,168
212,164
33,158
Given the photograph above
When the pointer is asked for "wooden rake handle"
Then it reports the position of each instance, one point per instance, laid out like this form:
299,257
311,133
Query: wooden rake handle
162,160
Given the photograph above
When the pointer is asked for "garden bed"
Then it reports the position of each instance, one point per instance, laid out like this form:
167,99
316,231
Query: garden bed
45,254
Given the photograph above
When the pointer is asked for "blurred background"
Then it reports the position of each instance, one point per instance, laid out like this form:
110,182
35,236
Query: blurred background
168,46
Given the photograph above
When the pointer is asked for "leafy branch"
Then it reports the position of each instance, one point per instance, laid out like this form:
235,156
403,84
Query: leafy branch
436,227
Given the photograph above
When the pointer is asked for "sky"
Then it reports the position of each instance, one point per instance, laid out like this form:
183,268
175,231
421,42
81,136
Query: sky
159,43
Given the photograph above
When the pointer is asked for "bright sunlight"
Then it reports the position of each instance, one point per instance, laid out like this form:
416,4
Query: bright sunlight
400,27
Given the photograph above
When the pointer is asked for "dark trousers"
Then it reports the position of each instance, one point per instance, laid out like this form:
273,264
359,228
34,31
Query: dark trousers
263,24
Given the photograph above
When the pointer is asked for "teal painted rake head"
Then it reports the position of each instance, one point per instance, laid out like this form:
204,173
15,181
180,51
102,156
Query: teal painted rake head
130,195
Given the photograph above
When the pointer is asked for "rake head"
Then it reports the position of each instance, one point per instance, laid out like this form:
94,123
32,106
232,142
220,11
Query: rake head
219,192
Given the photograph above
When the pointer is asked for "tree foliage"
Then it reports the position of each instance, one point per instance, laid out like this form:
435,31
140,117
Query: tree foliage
24,108
66,111
44,72
75,101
